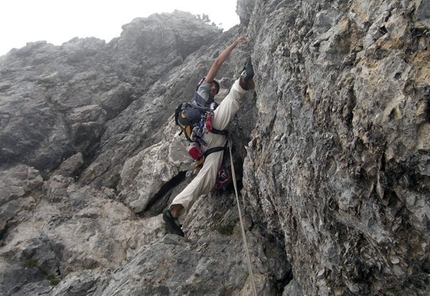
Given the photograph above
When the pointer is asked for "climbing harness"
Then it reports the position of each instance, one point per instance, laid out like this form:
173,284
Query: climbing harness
241,221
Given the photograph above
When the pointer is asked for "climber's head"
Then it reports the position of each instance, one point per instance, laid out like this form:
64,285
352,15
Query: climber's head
214,88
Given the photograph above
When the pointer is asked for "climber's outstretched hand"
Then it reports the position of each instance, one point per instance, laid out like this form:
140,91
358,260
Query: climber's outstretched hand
221,58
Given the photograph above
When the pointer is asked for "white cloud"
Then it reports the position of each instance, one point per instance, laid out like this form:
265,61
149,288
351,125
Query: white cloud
57,21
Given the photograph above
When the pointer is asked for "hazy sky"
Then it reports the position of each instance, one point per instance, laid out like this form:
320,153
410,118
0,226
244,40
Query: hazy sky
58,21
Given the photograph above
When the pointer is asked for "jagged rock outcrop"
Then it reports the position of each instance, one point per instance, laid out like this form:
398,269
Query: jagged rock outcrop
331,153
59,100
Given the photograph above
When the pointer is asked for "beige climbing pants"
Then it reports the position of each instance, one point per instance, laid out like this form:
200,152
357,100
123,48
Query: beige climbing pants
206,178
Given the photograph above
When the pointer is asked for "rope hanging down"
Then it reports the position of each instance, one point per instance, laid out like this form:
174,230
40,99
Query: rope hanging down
241,221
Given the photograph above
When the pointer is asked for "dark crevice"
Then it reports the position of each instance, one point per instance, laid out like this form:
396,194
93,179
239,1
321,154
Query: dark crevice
349,107
159,201
3,231
427,97
6,227
274,248
383,30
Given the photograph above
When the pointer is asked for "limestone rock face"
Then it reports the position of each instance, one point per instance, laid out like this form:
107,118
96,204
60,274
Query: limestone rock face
339,158
331,153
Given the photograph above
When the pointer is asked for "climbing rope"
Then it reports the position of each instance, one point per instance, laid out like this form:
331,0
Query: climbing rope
241,221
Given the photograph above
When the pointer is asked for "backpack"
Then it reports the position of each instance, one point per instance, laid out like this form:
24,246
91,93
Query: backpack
190,118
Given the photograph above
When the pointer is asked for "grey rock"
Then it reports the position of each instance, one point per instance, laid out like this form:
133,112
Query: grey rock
331,153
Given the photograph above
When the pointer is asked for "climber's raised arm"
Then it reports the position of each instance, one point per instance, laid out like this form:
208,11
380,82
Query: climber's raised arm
220,59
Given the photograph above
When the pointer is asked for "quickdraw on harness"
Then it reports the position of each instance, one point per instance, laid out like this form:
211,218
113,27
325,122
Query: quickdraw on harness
223,178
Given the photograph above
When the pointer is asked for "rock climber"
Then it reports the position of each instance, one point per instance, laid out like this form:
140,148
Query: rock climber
223,114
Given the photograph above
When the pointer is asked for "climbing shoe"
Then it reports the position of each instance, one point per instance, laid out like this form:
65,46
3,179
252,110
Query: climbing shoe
247,71
172,224
246,81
